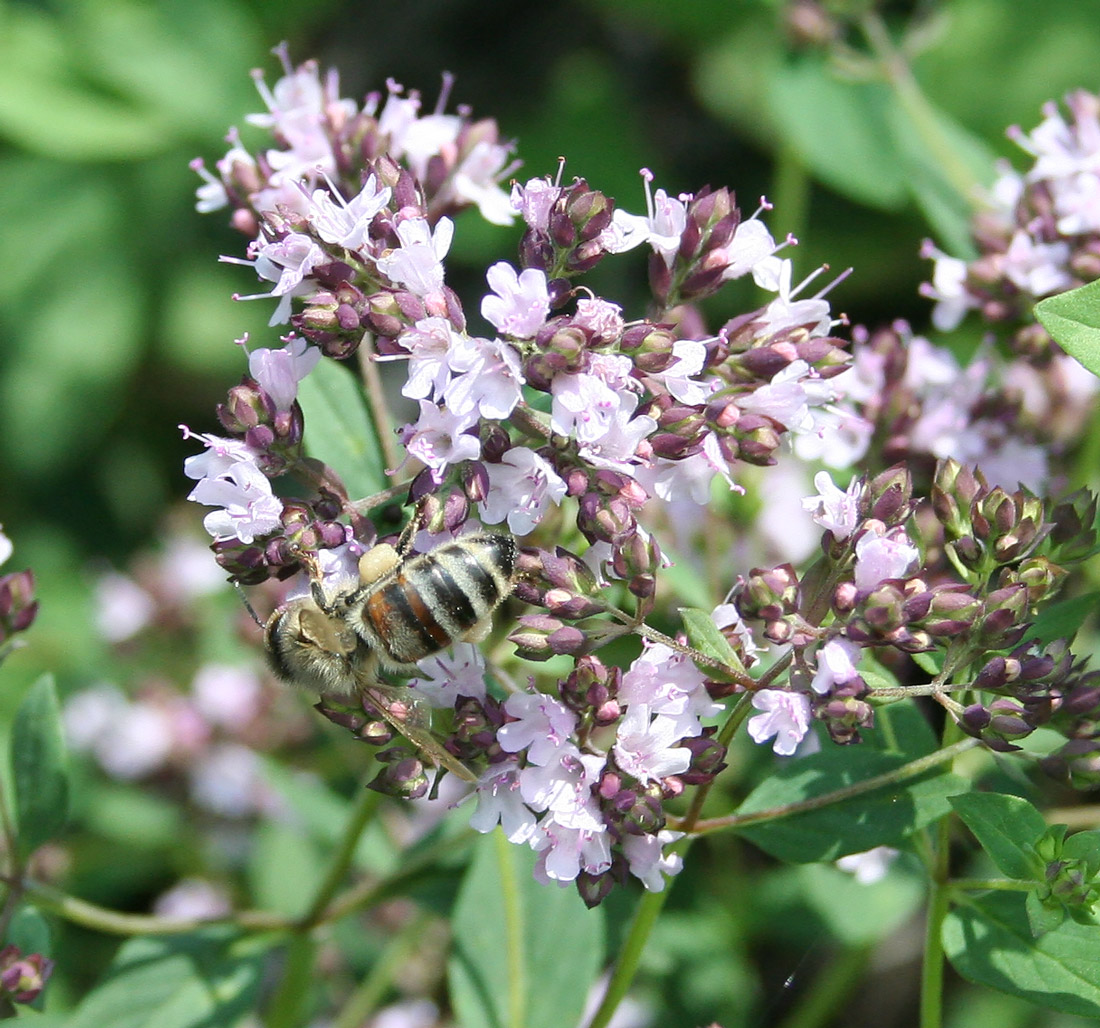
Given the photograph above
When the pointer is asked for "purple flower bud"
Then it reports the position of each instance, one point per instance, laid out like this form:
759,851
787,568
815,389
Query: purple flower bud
18,607
402,775
23,978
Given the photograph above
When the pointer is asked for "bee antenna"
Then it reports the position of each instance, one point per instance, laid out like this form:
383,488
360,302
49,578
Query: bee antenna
247,605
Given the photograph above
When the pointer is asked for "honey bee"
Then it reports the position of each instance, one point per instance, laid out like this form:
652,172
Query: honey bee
405,608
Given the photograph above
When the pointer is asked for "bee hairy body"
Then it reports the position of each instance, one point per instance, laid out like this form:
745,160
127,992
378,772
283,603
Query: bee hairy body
404,609
431,600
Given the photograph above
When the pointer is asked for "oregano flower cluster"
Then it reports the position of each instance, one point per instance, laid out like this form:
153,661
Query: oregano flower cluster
583,430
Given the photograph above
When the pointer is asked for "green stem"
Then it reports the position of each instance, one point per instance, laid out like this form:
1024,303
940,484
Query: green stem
101,919
379,408
513,930
365,806
957,885
831,987
286,1007
631,953
368,996
790,192
939,902
899,75
900,774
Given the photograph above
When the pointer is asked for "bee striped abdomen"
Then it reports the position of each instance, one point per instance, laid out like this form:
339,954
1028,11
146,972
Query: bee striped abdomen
434,599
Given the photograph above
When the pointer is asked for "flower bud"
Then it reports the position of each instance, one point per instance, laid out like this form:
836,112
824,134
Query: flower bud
402,775
18,607
770,593
888,496
22,978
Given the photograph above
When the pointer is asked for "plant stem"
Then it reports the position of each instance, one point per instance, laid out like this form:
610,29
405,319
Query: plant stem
939,902
900,774
631,954
286,1007
379,408
101,919
365,806
367,997
900,76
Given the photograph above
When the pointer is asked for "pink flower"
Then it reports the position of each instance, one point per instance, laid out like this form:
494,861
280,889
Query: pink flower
445,678
836,664
645,746
534,200
786,715
834,509
519,304
417,264
521,486
543,726
279,371
882,554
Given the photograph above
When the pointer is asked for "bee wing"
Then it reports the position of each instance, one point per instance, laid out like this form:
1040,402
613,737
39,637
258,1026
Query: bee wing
407,714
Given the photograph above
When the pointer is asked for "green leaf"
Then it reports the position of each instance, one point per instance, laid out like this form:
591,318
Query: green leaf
943,164
284,868
30,931
840,131
706,637
39,767
1004,825
989,941
1063,620
1073,320
884,817
183,981
1040,917
1084,846
524,953
339,430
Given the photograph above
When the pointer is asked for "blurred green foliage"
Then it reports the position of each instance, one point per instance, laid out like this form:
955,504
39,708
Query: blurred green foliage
117,324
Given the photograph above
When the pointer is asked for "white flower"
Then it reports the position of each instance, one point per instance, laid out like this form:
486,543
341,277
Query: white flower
249,507
519,303
521,486
645,854
870,866
278,372
786,716
489,379
836,664
417,264
439,438
834,509
220,455
543,726
346,222
564,851
644,746
475,181
499,802
881,555
432,344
